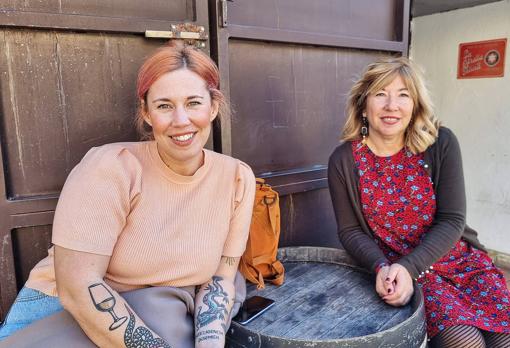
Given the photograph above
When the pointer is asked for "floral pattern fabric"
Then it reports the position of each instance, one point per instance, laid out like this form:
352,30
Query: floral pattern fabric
398,202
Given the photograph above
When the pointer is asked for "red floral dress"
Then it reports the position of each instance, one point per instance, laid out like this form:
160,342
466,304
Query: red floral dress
398,202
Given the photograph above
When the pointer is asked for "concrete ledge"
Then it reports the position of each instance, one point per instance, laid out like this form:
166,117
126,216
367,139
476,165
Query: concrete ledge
501,260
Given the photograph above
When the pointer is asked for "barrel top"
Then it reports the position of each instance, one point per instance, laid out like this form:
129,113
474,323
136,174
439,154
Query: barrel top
326,296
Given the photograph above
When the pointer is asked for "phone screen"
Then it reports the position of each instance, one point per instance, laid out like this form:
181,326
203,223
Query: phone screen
252,308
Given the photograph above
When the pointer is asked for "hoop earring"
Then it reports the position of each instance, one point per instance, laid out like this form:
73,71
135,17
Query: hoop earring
364,128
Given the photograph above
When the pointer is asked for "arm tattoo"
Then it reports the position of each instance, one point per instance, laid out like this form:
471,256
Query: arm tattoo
216,299
208,335
141,337
104,301
230,260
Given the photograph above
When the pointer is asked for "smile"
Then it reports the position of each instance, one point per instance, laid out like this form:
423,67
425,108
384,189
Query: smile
183,137
389,119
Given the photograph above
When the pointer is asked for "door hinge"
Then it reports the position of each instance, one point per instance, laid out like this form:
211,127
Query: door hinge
224,12
191,33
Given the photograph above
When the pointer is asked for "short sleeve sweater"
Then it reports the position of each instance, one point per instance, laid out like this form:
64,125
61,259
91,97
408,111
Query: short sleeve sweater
158,227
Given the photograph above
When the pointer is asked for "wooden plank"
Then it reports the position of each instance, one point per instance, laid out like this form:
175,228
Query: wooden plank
60,89
335,306
286,296
308,219
314,300
300,127
30,245
325,301
158,10
287,36
349,18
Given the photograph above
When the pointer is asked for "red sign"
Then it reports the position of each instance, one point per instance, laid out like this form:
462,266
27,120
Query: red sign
481,59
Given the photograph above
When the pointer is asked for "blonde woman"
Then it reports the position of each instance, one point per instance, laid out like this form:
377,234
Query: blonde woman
397,188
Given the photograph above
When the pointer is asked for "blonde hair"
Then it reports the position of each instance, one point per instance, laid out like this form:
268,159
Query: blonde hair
423,128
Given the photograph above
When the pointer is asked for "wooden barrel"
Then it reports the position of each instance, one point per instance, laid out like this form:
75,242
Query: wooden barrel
328,301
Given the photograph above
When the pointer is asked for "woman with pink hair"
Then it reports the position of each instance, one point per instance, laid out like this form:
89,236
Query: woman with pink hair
164,212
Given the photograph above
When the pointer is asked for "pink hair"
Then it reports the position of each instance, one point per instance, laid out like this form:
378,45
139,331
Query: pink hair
176,55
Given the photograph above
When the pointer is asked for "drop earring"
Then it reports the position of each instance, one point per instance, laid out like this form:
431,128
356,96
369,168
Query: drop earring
364,128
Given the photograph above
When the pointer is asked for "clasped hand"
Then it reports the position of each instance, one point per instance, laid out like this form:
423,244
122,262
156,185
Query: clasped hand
394,285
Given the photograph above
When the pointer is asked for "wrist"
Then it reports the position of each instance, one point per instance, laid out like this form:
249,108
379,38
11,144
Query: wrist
381,265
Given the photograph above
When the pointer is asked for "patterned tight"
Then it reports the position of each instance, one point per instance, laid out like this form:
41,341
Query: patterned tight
462,336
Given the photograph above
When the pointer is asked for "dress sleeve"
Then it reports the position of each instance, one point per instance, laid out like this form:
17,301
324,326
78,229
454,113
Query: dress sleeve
358,244
244,197
450,218
95,201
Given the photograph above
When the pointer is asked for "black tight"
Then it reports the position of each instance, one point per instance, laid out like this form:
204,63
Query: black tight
462,336
496,340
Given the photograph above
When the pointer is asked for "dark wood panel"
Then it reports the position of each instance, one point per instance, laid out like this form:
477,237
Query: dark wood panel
353,18
128,16
67,83
29,205
63,93
308,219
30,245
290,36
294,181
289,102
32,219
175,10
7,264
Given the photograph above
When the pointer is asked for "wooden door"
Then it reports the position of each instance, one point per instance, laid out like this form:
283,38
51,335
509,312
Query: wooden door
287,66
67,83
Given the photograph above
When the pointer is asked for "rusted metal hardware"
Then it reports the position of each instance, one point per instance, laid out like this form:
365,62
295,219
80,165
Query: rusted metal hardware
192,34
223,10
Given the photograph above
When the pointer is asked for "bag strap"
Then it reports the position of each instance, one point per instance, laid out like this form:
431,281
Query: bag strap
280,272
255,276
270,201
251,274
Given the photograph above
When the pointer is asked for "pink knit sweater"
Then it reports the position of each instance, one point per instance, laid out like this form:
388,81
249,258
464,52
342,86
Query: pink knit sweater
160,228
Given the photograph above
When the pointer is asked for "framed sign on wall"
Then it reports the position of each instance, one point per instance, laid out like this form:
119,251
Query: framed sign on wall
481,59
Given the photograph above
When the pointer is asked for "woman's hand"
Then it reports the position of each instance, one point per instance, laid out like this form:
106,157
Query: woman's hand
397,285
382,287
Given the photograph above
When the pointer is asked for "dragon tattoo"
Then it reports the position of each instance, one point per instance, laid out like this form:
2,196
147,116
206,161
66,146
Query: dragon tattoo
216,299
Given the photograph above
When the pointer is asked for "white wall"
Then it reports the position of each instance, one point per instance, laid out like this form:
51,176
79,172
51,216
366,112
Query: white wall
477,110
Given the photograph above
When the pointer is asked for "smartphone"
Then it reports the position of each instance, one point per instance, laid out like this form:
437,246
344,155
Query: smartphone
252,308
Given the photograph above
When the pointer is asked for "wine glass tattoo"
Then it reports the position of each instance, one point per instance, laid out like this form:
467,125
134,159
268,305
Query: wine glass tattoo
104,301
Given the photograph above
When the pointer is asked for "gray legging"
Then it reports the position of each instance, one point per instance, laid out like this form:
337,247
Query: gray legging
167,311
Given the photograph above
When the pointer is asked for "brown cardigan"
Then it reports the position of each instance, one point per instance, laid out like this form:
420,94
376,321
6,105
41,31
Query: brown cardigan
443,163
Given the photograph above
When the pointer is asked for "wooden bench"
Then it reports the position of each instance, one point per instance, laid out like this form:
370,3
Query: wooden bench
328,301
